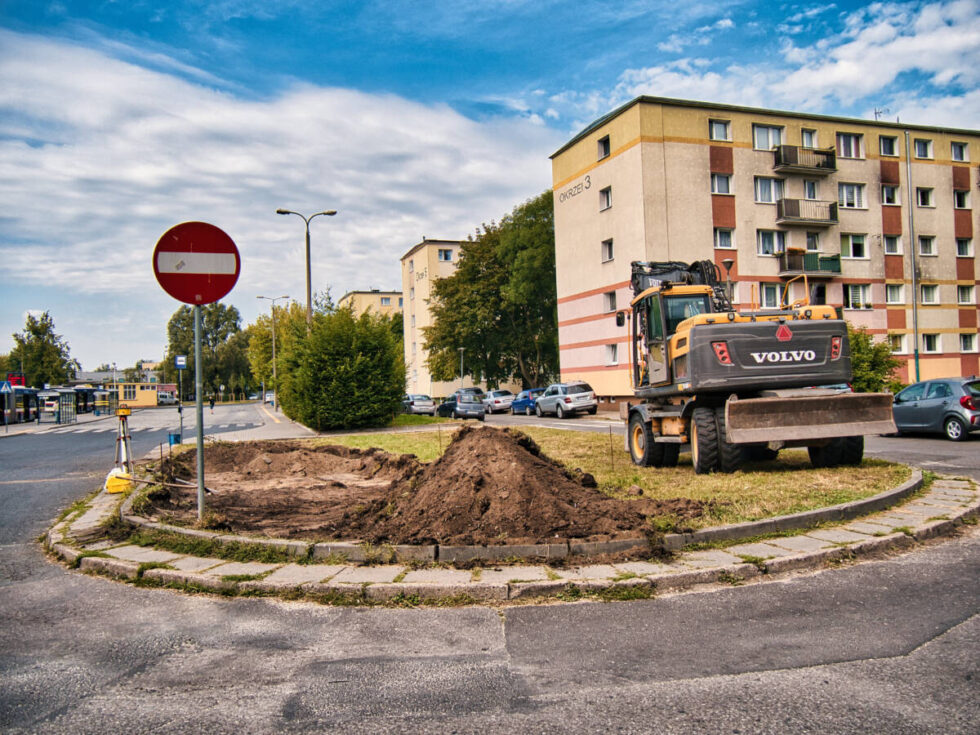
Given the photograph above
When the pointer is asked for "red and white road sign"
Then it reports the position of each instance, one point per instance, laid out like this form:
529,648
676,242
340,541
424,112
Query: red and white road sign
196,263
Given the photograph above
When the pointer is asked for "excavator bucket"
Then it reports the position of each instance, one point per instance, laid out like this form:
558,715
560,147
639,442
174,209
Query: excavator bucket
808,415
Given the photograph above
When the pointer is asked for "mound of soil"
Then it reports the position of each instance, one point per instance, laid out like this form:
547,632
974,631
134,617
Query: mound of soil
491,487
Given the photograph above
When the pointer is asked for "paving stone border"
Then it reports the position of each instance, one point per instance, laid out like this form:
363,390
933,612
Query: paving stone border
947,505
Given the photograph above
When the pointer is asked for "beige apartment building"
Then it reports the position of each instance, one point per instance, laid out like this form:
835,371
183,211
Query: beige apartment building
375,300
880,218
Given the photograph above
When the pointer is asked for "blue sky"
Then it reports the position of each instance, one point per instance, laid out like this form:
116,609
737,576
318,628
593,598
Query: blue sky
121,119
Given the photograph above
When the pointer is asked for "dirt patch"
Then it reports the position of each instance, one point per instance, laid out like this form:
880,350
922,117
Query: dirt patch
491,486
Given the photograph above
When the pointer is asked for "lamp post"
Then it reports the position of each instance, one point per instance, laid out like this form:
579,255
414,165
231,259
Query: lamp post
309,297
275,378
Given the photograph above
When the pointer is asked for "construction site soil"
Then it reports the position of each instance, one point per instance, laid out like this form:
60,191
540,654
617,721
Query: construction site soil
490,487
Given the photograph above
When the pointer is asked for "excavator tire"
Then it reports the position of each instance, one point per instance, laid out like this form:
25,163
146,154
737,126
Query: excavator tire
760,454
830,454
852,451
704,441
730,456
644,450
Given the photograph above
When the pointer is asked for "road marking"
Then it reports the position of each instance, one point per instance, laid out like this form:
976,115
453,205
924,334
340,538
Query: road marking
270,415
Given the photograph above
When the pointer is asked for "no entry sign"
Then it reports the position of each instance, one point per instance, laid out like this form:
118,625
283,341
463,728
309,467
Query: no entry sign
196,263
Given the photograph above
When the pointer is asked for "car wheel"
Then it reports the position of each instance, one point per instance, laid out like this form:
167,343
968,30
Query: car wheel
528,411
559,411
954,429
592,411
538,411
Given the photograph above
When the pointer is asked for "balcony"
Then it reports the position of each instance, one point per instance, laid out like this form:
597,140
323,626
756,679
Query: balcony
808,212
796,160
811,264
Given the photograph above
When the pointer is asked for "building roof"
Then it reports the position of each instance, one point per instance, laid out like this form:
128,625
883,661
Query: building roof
427,241
369,292
669,101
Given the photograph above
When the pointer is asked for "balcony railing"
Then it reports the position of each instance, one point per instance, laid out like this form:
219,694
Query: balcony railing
793,263
813,161
810,212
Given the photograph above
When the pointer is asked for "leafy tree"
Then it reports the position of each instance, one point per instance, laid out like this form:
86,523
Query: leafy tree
218,324
872,363
234,370
500,304
45,355
103,368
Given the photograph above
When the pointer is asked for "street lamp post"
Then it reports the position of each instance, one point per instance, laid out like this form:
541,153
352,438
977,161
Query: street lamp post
309,293
275,377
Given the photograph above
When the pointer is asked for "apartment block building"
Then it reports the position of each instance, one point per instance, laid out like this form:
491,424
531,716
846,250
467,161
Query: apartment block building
375,300
875,218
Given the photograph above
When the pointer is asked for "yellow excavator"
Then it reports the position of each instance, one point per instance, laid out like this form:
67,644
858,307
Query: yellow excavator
730,385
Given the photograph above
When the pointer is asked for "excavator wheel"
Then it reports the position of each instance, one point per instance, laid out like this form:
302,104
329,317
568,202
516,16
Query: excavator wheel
704,441
730,456
644,450
830,454
760,454
852,451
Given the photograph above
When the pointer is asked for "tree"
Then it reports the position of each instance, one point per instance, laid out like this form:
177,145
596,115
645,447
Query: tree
218,324
872,363
45,355
500,304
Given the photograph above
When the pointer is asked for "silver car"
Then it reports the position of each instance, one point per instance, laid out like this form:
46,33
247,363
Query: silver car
565,399
418,403
947,405
498,400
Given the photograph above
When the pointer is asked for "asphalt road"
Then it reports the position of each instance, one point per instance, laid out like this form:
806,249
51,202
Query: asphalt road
889,646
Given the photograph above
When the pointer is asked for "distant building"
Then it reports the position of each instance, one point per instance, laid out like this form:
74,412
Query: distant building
879,217
376,301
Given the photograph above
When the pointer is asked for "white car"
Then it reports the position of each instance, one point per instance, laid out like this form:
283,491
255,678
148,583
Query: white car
498,400
166,399
565,399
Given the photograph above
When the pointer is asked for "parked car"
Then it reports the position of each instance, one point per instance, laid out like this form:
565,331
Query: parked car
475,391
947,405
166,398
524,403
565,399
466,406
419,403
497,400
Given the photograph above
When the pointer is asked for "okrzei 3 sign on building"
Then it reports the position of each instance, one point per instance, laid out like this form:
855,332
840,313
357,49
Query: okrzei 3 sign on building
196,263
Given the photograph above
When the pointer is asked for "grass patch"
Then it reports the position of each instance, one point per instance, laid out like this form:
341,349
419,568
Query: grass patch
85,554
760,490
192,546
416,419
626,592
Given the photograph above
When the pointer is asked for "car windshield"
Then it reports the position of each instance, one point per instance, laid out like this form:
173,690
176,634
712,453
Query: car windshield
467,398
579,388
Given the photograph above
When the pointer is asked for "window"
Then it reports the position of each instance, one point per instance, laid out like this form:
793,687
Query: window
446,256
968,343
608,253
401,302
721,184
960,152
894,293
853,246
719,130
411,266
930,343
964,247
770,242
896,342
889,194
964,295
413,348
850,196
849,145
813,242
411,292
857,296
923,148
808,138
413,320
927,245
769,295
609,301
386,300
930,293
810,189
888,145
767,190
612,354
961,199
923,196
766,137
724,238
603,146
893,244
605,198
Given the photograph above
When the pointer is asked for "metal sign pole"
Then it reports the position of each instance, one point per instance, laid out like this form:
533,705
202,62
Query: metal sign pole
199,408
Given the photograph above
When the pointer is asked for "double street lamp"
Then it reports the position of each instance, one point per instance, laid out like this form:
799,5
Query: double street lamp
275,377
309,296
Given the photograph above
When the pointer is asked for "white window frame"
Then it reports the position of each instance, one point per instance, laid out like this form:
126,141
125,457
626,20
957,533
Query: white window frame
964,247
411,292
445,255
811,189
804,134
966,295
929,294
964,152
847,242
924,196
927,246
726,129
897,250
731,238
778,242
605,198
863,302
937,343
900,348
612,354
961,199
411,266
603,148
413,320
894,145
968,343
386,300
609,302
773,136
607,249
777,189
894,293
769,295
844,201
922,148
721,181
894,200
850,145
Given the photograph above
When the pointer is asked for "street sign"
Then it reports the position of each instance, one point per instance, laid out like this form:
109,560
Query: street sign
5,387
196,263
180,362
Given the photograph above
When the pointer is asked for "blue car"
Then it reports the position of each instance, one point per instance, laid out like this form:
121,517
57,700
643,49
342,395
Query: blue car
524,403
